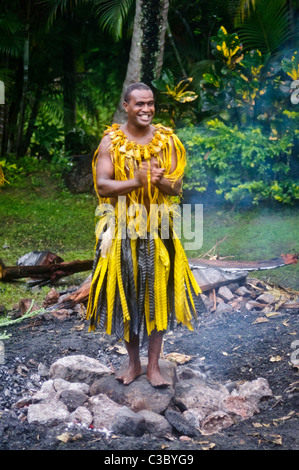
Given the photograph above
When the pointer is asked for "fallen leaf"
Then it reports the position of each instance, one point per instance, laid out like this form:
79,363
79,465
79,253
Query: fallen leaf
260,320
79,327
120,349
178,358
22,370
277,421
64,437
208,447
275,358
272,314
185,438
261,425
277,439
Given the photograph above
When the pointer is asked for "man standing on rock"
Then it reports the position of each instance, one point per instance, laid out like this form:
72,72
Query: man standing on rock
141,280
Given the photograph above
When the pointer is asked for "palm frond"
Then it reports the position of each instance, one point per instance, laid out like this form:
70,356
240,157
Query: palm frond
267,28
243,9
55,7
112,15
12,35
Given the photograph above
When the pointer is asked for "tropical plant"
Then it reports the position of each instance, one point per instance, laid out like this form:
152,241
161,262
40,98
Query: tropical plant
173,96
242,164
291,66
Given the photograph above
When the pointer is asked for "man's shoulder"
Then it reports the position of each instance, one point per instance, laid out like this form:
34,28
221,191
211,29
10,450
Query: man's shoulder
106,140
165,129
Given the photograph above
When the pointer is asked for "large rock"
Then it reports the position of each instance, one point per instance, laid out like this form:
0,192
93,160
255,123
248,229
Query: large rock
51,413
239,406
204,395
78,368
140,394
225,293
82,415
254,391
155,424
128,423
72,399
104,411
181,424
53,388
215,422
82,390
194,416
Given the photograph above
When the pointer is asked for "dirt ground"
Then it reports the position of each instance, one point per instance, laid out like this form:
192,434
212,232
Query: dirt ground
228,347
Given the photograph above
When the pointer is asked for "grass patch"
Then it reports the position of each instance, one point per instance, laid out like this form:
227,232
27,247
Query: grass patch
254,234
38,213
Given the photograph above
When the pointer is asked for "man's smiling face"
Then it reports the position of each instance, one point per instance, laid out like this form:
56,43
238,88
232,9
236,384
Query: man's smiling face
140,108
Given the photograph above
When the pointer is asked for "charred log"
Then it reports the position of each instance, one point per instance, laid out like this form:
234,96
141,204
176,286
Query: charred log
52,271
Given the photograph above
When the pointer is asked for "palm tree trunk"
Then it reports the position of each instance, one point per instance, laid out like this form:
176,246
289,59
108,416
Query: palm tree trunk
147,46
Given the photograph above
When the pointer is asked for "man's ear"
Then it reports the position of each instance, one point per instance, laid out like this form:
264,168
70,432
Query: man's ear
125,105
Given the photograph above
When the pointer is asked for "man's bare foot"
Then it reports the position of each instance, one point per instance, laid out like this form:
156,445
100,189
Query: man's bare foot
156,379
130,374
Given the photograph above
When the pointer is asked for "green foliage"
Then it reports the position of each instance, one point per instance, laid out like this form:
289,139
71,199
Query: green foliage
31,168
233,86
291,66
7,321
174,96
113,15
48,137
247,148
8,168
242,163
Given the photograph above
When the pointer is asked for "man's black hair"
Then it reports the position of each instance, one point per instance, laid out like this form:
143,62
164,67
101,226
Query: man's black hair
135,86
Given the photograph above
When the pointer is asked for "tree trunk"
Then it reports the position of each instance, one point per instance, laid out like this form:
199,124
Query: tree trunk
11,112
69,93
147,47
31,122
2,110
24,94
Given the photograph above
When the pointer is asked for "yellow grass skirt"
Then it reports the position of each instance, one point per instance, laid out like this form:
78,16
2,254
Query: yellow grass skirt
140,283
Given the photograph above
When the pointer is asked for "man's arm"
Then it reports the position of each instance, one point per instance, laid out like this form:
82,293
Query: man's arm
107,186
165,185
